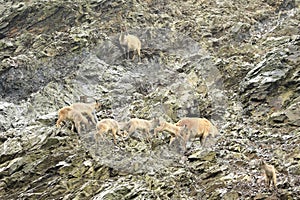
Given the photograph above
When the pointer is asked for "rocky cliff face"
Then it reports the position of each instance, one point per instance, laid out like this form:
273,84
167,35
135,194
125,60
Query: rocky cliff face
235,63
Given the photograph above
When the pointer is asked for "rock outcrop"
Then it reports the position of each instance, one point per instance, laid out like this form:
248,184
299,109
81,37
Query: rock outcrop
234,63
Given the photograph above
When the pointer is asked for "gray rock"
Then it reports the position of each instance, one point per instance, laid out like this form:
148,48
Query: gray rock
236,64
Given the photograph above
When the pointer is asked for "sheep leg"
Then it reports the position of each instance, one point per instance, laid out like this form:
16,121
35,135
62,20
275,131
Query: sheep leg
203,140
139,54
58,122
77,126
184,145
156,130
187,138
274,181
128,53
114,132
92,117
96,137
268,182
124,50
131,130
72,127
148,135
60,119
95,117
171,140
133,56
99,134
118,133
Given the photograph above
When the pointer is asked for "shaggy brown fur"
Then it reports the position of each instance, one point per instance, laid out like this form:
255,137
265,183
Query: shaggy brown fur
142,125
87,108
197,127
269,173
131,42
175,131
68,113
106,125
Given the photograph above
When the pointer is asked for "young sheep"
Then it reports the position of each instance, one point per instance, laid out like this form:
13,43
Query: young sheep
88,108
175,131
106,125
197,127
142,125
130,42
68,113
269,173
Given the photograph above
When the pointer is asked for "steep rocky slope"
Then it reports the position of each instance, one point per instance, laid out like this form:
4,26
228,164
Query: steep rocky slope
235,63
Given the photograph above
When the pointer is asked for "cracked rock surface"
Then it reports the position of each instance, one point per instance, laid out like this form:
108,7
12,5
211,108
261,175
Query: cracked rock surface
234,63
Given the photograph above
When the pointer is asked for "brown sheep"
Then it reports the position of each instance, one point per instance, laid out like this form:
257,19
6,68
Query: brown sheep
87,108
130,42
269,173
197,127
175,131
106,125
142,125
68,113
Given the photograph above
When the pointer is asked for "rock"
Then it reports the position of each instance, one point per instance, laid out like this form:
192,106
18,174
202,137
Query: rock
9,148
236,64
12,166
261,78
48,118
203,155
231,195
295,169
